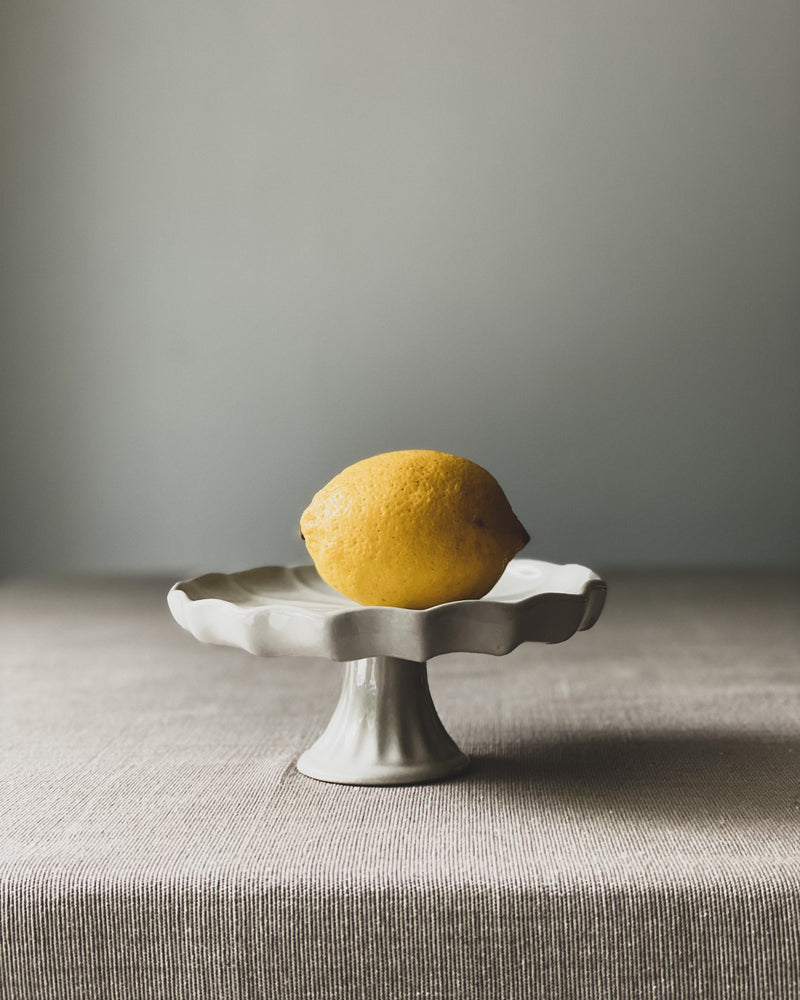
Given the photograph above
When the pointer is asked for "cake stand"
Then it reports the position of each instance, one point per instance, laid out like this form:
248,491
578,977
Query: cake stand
385,729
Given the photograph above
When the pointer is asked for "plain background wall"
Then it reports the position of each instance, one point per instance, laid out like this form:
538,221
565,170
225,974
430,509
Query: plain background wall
245,244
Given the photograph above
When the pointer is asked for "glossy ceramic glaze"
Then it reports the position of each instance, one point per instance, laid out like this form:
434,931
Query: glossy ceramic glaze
385,729
290,611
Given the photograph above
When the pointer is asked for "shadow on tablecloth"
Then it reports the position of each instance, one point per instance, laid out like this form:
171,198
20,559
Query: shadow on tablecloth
686,775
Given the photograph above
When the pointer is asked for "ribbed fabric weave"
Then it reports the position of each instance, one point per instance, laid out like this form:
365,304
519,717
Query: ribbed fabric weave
629,827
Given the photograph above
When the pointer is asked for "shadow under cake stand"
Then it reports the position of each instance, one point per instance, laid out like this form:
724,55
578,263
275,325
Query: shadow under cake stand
385,729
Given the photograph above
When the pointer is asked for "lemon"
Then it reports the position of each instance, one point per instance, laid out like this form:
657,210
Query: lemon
412,529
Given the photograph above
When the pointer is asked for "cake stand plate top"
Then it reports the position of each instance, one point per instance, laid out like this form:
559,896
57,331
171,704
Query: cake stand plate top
291,611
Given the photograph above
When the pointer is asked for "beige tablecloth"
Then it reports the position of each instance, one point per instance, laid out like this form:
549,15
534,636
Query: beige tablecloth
630,825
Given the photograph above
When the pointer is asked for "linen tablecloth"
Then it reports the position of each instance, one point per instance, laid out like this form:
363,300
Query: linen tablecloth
629,826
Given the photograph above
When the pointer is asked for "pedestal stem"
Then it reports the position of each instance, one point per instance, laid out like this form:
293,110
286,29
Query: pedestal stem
384,730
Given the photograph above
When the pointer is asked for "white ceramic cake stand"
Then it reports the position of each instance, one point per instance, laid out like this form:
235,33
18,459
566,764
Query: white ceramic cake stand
385,729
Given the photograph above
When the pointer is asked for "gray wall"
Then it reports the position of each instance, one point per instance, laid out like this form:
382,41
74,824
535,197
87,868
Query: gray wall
245,244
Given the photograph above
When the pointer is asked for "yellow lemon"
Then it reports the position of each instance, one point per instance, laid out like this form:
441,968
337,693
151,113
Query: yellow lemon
412,529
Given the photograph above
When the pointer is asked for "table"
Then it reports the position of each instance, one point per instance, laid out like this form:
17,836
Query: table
629,827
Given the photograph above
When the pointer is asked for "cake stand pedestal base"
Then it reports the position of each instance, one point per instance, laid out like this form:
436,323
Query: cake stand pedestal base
384,730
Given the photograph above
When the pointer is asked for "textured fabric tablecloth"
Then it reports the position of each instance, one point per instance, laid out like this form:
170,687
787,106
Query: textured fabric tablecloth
630,825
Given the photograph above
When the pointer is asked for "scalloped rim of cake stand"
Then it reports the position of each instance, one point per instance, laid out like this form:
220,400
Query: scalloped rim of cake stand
291,611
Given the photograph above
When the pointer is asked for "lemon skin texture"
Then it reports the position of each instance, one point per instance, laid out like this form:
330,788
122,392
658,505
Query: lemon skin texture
412,529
